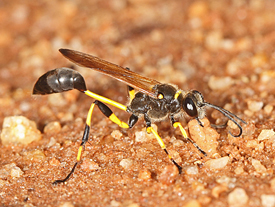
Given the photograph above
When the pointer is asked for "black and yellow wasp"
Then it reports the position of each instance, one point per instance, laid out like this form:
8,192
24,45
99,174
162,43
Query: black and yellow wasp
148,98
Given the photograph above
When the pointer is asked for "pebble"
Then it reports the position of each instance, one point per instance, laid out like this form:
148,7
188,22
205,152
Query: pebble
258,166
239,170
192,203
66,204
54,162
238,198
205,137
10,170
234,67
272,184
126,163
220,83
19,130
227,181
215,164
217,190
89,165
266,134
34,155
52,127
255,105
144,175
198,9
142,136
192,170
116,134
268,200
268,109
168,175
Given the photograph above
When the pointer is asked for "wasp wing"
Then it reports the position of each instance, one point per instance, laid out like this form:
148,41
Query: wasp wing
131,78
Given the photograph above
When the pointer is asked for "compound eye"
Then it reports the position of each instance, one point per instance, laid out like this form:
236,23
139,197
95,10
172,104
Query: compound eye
190,107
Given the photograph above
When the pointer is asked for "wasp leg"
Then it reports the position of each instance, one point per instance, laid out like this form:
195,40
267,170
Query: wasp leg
150,129
82,145
109,114
184,134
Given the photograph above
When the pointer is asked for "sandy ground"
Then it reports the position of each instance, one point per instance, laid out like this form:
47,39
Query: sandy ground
224,49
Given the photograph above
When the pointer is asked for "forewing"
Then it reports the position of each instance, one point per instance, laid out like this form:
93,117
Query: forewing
131,78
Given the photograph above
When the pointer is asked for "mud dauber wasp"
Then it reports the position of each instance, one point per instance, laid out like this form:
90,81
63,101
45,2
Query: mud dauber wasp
148,98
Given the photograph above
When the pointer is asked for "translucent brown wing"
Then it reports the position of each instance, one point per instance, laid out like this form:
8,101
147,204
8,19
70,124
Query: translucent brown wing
131,78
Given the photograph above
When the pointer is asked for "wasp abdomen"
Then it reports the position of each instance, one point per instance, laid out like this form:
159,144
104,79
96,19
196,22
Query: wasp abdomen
59,80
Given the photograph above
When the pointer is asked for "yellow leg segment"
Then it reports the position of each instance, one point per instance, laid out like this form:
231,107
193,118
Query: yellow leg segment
116,120
106,100
184,134
161,143
177,124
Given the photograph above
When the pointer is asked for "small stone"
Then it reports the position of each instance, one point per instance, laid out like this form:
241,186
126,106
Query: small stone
3,182
54,162
126,163
168,175
268,200
89,165
238,198
258,166
215,164
267,76
217,190
19,130
52,127
52,142
10,170
227,181
197,9
116,134
57,99
34,155
66,204
268,109
239,170
220,83
205,137
192,203
213,40
266,134
144,175
258,60
234,66
143,136
65,117
192,170
272,184
198,186
255,105
115,203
